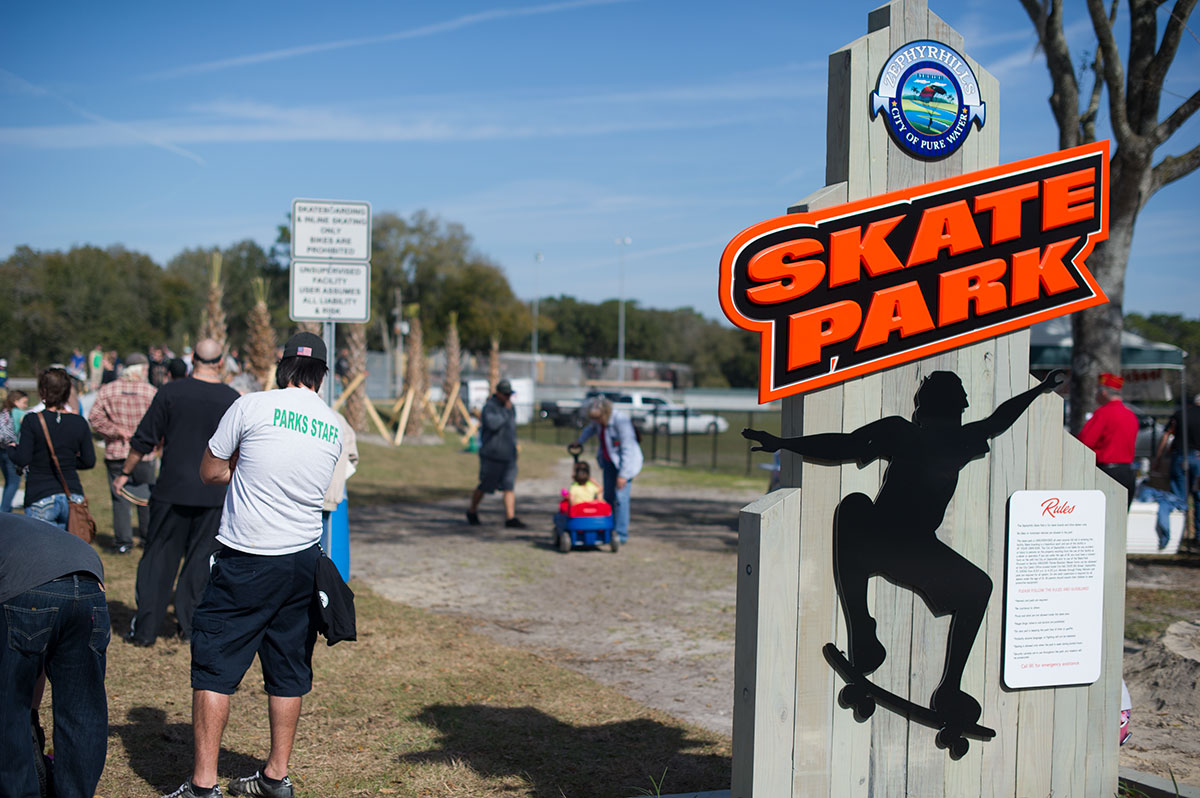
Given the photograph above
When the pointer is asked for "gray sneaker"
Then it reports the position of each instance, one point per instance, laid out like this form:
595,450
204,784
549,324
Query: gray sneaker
185,791
256,785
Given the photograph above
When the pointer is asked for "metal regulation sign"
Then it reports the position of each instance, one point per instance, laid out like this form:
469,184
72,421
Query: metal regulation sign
330,278
330,291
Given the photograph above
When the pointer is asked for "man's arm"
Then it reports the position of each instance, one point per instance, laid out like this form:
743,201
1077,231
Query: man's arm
131,461
102,422
214,470
1165,440
589,429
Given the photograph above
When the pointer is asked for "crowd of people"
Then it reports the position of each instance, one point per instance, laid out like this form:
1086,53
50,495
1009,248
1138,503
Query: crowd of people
204,459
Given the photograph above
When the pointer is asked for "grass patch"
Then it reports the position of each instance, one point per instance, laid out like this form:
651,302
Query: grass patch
392,474
1149,611
420,706
698,479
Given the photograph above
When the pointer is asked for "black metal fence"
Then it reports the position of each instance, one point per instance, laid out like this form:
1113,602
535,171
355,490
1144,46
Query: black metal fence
712,440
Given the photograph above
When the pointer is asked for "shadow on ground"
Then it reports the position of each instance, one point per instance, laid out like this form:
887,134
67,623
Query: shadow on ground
556,758
160,753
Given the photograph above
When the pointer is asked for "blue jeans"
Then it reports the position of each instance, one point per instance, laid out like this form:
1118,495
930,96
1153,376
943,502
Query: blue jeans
63,628
619,499
1178,483
12,481
1166,503
53,509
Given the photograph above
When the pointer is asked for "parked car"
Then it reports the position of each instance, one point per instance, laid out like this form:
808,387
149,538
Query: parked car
562,413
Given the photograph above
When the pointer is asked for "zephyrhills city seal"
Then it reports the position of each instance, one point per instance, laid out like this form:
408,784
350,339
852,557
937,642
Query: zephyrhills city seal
929,96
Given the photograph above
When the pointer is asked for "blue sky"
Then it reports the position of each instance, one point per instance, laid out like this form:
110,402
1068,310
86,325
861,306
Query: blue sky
556,127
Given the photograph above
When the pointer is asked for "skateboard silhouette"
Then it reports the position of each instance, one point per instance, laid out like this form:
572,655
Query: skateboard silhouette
861,695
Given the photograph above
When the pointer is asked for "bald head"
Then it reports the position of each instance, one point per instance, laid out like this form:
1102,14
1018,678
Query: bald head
207,349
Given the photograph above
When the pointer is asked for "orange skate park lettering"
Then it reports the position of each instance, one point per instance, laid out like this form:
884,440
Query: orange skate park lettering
856,288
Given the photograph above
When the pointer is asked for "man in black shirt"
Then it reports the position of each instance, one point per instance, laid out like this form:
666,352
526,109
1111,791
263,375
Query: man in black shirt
185,514
53,618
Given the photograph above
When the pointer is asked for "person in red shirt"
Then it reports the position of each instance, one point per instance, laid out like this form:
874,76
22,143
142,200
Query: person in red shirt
1111,433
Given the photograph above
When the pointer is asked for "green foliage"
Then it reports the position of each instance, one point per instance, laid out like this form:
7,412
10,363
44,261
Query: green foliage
241,264
432,263
60,300
720,356
1174,329
56,301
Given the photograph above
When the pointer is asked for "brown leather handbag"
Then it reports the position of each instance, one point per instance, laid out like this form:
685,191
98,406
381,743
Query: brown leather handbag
79,518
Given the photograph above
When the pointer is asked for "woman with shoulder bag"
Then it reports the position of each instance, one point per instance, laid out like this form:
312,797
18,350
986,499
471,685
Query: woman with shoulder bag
54,444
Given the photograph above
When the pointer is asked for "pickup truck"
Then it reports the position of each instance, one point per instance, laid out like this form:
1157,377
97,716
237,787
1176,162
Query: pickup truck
649,411
637,405
652,412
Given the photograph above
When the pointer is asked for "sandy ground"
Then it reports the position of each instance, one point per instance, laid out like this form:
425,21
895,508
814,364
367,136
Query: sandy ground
656,621
1164,684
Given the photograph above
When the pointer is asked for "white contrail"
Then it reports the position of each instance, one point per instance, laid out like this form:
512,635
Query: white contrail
127,129
415,33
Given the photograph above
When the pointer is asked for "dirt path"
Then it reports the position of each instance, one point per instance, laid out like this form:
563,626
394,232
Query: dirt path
656,621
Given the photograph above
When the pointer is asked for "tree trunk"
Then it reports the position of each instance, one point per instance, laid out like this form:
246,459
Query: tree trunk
494,365
356,403
417,378
213,325
1096,332
260,346
453,364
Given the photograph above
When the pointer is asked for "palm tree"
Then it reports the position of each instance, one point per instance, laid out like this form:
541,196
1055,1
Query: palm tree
356,402
453,362
260,344
213,323
494,365
417,376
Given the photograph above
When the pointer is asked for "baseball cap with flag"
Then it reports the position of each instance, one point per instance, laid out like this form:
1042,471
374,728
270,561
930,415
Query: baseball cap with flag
305,344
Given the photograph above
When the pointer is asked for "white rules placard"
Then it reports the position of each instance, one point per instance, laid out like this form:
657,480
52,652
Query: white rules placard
1054,588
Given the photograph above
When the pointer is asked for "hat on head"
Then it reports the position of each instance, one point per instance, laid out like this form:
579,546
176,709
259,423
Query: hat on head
504,387
136,359
1111,381
305,344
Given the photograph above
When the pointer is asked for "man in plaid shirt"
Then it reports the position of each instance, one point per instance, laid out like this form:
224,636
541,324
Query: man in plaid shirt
115,414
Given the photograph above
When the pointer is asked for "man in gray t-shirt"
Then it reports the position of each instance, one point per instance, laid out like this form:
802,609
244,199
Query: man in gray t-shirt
53,618
276,451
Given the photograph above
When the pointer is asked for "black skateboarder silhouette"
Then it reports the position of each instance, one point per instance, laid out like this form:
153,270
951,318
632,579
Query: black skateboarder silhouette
895,535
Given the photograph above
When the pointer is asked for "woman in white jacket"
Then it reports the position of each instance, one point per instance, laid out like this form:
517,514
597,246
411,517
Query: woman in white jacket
620,458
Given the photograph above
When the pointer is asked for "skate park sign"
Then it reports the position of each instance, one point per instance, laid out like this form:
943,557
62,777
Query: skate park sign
893,307
855,288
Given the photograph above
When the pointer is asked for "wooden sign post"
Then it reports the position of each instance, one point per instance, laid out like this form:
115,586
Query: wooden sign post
791,738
